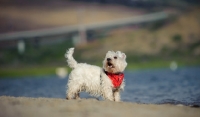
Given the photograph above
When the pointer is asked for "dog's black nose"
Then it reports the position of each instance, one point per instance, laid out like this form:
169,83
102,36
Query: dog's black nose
108,59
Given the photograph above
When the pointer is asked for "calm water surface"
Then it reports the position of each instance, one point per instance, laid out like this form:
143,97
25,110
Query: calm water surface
156,86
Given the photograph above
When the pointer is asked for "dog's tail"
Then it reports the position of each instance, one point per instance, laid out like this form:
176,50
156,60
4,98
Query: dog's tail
72,63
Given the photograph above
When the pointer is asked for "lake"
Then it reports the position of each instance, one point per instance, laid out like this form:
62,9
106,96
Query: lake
157,86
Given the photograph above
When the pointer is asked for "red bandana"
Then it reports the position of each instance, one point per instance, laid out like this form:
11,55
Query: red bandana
115,78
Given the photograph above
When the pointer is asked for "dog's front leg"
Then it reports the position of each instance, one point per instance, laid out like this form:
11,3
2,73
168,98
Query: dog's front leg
108,94
116,95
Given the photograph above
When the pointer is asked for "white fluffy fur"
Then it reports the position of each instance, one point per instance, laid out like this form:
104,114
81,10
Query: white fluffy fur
92,79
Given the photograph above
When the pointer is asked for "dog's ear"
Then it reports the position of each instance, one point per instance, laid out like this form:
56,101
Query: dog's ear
110,52
120,54
123,56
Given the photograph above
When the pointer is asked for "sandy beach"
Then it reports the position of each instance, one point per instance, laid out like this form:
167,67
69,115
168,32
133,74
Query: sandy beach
54,107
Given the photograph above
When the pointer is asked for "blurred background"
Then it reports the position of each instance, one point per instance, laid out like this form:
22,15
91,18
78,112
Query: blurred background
34,35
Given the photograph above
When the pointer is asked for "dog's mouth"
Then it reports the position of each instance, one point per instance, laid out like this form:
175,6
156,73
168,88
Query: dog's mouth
110,65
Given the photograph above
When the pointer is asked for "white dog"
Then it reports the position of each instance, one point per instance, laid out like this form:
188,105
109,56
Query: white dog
106,82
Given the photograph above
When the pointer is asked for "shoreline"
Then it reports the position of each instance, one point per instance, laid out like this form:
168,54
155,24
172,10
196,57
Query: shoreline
25,106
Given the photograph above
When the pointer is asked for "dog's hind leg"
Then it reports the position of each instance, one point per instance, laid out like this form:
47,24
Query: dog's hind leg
70,95
77,95
73,92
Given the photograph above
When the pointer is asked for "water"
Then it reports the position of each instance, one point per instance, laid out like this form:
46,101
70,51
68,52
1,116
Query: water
156,86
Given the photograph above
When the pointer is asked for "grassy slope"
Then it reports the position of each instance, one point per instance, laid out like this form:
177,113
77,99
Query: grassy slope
152,42
27,71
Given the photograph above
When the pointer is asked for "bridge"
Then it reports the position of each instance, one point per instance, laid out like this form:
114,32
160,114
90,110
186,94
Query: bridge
81,29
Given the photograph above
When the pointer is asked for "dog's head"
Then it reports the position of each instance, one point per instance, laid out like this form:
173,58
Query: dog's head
114,62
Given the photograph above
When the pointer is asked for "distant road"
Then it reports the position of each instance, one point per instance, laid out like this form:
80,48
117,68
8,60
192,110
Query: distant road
76,28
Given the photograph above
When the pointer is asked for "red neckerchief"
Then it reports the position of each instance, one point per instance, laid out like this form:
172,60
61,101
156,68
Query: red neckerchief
116,78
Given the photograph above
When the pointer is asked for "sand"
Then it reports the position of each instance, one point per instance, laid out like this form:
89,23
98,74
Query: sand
54,107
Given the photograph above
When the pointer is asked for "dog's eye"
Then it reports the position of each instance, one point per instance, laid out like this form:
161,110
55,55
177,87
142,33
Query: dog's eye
115,57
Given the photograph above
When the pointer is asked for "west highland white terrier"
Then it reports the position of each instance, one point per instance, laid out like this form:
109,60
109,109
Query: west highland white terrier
106,82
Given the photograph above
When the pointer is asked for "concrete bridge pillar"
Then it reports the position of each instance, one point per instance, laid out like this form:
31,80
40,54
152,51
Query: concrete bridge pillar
83,35
80,38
